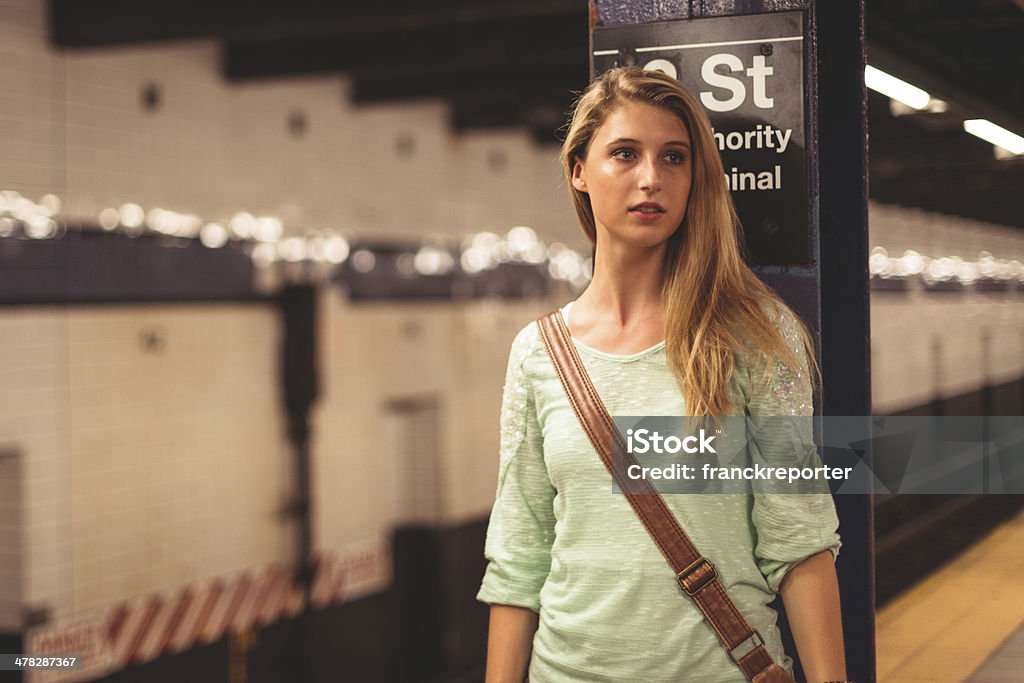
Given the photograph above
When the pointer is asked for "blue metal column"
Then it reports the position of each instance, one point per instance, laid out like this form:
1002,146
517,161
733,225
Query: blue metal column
831,294
845,332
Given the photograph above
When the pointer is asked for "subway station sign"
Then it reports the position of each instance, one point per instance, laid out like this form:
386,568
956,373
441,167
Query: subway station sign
748,72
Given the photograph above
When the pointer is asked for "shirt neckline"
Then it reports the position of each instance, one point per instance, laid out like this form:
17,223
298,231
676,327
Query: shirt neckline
604,354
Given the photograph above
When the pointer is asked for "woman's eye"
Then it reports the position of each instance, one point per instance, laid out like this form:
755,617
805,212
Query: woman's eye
675,157
623,153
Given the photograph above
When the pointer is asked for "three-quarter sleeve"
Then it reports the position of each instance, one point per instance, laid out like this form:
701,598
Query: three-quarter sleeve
521,528
790,526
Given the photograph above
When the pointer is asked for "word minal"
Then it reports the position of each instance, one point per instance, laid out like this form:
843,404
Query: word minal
667,444
738,181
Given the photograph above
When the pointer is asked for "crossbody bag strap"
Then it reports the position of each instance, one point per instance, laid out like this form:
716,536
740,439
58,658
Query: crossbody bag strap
694,572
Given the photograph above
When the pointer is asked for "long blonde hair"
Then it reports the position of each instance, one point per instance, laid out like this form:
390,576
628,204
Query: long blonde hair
715,306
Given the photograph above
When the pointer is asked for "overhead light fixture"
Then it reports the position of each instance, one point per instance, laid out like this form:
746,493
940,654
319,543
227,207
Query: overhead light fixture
897,89
997,135
935,106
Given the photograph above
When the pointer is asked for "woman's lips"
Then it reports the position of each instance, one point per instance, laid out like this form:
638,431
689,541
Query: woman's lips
647,212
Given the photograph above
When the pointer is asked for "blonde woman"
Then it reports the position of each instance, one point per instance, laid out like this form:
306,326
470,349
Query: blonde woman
673,323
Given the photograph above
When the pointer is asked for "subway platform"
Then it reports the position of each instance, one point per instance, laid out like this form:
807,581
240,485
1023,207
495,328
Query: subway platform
964,622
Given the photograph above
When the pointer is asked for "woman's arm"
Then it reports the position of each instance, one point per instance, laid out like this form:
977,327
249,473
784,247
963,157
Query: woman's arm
509,641
522,525
810,591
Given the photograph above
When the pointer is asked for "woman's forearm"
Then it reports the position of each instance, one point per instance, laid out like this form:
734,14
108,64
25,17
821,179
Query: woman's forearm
810,592
509,641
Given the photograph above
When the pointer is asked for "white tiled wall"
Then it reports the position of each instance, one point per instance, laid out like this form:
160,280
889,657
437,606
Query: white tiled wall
180,463
373,354
145,466
72,123
927,346
35,424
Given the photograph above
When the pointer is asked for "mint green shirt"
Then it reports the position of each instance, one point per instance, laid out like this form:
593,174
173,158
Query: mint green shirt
561,543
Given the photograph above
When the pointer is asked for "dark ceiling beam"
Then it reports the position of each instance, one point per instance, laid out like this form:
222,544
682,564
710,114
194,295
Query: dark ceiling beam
76,23
543,109
917,146
517,40
1009,23
918,164
921,170
947,196
96,23
957,185
399,16
906,158
939,74
531,84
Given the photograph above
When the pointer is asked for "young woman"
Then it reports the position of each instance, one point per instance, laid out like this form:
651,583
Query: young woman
673,323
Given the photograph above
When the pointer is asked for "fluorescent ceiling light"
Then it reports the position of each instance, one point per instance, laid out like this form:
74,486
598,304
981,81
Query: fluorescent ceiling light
997,135
890,86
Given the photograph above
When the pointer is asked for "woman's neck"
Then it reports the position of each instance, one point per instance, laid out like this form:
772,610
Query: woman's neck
626,286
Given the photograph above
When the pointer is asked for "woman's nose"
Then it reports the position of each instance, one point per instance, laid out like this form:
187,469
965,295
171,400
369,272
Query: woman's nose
649,175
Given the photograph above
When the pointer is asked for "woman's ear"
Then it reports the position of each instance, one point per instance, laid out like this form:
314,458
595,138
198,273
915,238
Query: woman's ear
579,180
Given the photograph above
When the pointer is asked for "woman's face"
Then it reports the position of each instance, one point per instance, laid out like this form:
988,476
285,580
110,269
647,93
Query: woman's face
637,173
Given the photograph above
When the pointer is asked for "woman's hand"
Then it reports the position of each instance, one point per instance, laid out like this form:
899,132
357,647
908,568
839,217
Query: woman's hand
810,591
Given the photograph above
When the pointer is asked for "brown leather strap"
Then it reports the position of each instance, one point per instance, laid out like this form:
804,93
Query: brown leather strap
694,572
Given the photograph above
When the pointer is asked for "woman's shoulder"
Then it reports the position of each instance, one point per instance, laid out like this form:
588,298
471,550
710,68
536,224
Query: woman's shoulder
526,345
753,356
769,381
526,341
788,325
